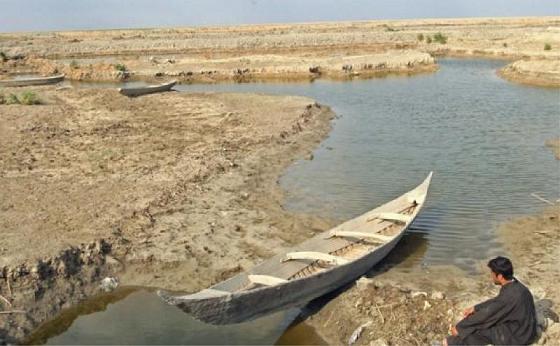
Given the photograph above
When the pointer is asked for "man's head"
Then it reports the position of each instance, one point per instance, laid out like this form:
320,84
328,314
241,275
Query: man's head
501,270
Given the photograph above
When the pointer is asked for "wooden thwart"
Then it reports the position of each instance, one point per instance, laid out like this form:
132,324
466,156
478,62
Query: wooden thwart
207,293
317,256
266,280
380,237
391,217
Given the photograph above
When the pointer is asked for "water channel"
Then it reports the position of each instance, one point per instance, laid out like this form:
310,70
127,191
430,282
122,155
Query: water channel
482,136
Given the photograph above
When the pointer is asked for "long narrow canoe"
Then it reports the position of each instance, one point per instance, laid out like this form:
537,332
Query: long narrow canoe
139,91
32,81
311,269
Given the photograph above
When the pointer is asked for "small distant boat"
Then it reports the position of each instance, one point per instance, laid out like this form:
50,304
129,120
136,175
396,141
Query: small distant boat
32,81
309,270
139,91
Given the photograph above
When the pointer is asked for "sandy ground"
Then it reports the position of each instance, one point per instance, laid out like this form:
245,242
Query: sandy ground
290,51
181,187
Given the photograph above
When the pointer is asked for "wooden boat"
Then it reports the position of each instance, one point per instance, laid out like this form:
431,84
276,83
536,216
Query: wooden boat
139,91
32,81
309,270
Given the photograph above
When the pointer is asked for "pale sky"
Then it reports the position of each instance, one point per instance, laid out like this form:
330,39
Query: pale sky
44,15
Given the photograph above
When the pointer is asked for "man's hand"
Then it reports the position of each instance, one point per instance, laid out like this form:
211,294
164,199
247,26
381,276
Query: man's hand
468,311
453,330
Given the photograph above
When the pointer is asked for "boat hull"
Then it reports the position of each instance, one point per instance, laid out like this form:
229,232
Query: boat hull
297,276
241,307
31,81
133,92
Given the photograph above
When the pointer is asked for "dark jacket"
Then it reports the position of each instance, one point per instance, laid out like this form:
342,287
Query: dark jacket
509,318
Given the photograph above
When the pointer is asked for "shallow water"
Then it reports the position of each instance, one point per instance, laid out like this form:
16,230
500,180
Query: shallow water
483,138
140,317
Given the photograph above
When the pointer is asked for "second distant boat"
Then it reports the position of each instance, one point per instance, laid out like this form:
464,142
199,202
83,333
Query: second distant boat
149,89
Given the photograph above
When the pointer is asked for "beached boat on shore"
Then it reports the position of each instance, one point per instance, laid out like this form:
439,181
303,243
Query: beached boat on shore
309,270
139,91
32,81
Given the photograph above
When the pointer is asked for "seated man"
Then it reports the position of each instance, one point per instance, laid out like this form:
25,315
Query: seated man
509,318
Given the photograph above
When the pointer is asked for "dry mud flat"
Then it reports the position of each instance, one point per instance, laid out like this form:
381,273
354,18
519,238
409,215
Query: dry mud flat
286,51
181,189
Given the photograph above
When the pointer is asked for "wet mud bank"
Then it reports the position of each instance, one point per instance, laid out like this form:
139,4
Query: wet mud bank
35,291
172,190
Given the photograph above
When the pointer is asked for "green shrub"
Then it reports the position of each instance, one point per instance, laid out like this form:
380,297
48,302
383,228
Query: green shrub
420,37
12,100
428,39
2,99
3,57
505,45
74,64
439,37
547,46
120,67
29,98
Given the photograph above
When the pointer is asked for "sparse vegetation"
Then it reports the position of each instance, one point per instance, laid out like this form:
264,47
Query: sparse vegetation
12,99
74,64
428,39
3,57
505,45
388,28
29,98
439,37
547,46
420,37
26,98
120,67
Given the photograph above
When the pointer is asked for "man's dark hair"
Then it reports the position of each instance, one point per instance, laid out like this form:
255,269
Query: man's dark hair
501,265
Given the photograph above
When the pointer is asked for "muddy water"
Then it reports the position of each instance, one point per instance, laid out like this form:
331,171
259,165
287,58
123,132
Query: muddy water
130,316
483,137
